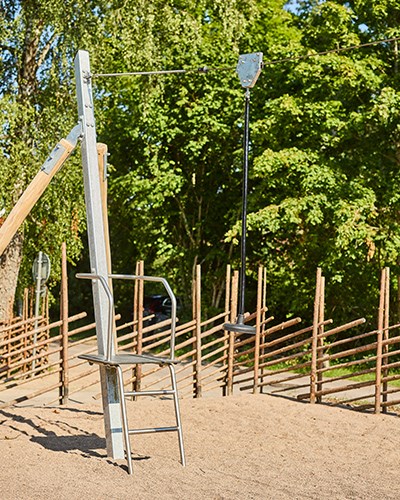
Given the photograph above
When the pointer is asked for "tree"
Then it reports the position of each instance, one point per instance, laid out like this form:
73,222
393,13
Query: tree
325,178
190,153
175,141
38,41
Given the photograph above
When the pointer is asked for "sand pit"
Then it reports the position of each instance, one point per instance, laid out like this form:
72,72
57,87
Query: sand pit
240,447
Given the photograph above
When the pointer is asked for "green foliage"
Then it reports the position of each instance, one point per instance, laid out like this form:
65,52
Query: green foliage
38,41
325,139
325,176
175,141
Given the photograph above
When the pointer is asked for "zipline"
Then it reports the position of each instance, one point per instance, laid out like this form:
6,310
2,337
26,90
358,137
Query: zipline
206,69
332,51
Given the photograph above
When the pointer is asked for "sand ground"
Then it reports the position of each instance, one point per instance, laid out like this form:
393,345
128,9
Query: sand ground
238,447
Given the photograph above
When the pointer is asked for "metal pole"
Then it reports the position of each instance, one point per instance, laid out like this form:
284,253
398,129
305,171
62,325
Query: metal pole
248,69
97,252
244,204
240,326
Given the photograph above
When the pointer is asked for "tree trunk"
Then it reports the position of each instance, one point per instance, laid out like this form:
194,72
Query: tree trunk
10,263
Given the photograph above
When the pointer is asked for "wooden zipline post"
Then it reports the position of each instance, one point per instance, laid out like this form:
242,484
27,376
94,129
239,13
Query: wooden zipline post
314,345
97,251
102,153
64,373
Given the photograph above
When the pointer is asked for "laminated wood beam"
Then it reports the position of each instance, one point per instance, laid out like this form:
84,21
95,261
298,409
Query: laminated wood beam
36,188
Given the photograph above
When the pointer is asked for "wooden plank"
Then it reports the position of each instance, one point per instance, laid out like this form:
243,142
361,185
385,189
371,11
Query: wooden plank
56,324
343,388
347,364
32,395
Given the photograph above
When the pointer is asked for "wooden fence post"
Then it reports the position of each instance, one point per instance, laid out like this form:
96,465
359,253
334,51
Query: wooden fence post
194,298
197,309
385,349
258,330
64,373
231,351
263,318
378,368
135,298
135,322
314,345
102,153
320,341
139,338
25,316
226,319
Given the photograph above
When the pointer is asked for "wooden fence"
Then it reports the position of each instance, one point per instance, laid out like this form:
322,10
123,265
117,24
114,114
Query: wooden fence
338,365
315,363
23,339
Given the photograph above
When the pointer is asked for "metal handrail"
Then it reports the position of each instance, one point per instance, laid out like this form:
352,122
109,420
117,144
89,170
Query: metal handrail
103,281
110,298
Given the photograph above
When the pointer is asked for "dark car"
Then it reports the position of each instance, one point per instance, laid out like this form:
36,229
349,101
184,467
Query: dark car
160,306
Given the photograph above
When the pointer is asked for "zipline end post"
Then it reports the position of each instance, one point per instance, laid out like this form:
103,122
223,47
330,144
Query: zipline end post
97,251
248,69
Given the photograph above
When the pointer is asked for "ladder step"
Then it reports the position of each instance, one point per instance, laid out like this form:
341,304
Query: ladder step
154,429
148,393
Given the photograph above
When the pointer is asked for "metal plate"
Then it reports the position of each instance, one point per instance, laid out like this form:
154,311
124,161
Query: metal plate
249,68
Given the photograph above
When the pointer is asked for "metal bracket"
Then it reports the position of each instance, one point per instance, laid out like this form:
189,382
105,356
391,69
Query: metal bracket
87,76
249,69
75,134
55,156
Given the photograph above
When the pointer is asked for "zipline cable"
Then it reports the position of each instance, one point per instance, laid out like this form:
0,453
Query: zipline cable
206,69
331,51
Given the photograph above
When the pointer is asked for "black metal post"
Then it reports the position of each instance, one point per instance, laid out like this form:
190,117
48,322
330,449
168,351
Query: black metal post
244,203
239,326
